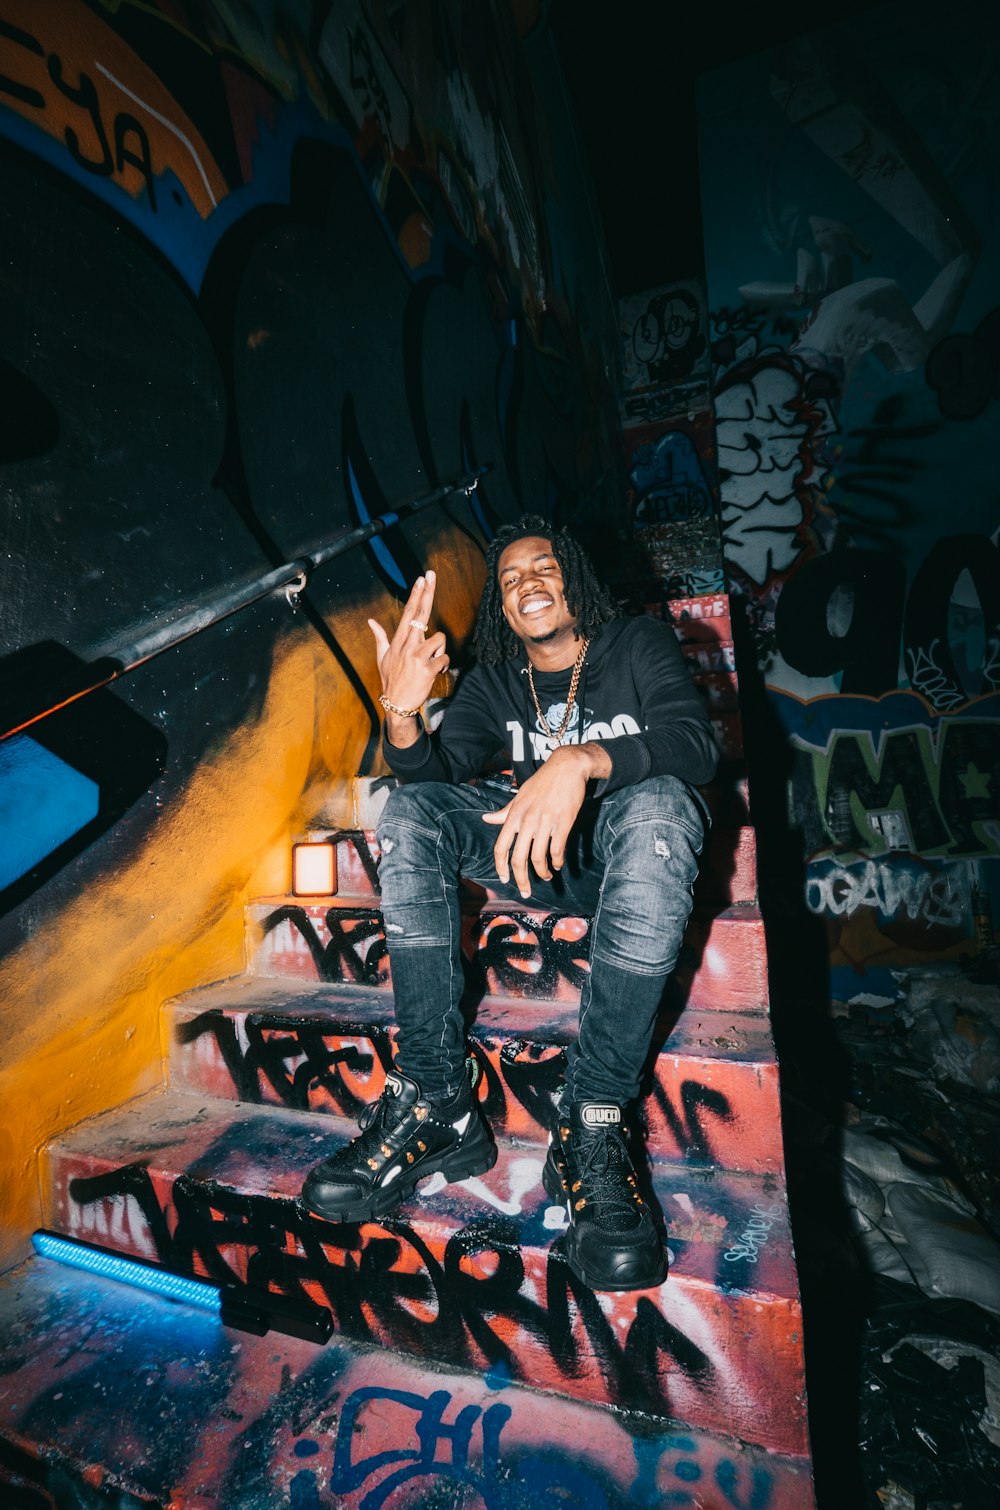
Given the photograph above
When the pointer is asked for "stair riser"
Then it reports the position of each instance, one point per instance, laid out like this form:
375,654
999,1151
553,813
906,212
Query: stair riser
697,621
723,964
512,953
728,873
705,1111
277,1422
238,1157
720,1361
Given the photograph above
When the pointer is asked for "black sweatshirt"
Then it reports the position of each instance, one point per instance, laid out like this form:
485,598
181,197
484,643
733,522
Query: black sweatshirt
635,696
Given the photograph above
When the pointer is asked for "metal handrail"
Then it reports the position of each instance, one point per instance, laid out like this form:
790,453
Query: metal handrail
292,576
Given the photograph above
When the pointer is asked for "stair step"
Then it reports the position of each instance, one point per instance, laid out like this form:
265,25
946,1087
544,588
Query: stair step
723,962
166,1406
511,951
465,1278
325,1049
702,620
728,873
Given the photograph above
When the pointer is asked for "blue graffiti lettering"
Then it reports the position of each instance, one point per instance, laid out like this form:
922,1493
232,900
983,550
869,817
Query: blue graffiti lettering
444,1452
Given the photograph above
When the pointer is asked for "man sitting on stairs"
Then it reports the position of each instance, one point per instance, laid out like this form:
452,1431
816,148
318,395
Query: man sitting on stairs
606,736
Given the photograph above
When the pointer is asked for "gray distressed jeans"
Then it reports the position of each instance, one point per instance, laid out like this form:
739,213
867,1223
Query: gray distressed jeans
630,863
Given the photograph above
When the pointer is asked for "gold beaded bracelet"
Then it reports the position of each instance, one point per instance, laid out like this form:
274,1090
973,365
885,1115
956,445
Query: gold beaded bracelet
394,708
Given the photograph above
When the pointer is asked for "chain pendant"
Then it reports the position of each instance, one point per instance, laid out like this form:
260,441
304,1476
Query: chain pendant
574,682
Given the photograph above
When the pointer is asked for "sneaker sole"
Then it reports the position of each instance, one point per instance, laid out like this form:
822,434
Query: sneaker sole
462,1164
594,1282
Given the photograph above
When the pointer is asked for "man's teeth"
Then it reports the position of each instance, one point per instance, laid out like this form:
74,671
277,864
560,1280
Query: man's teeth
535,605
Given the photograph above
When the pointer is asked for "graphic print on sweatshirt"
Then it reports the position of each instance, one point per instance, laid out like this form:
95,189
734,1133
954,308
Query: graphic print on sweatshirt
542,744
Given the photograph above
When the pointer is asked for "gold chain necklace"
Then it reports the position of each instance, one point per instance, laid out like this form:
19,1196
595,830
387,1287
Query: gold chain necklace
574,682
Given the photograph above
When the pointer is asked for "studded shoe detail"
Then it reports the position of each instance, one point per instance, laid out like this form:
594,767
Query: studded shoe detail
612,1242
403,1139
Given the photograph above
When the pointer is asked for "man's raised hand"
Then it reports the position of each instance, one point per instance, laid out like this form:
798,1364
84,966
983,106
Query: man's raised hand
409,663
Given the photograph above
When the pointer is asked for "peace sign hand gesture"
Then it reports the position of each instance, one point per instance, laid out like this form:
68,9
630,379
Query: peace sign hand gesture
409,663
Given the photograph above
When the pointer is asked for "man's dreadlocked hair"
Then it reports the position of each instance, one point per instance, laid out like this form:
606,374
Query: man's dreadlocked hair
590,603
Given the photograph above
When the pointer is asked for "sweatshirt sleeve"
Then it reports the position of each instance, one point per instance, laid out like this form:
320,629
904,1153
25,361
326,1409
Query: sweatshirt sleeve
461,744
677,737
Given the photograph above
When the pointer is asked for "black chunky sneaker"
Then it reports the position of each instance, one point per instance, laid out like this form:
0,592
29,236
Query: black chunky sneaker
612,1242
404,1137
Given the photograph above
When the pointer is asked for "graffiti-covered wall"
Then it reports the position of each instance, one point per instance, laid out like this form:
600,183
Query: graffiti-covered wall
268,270
666,414
853,257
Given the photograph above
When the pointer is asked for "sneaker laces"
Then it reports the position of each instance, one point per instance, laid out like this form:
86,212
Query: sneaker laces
604,1173
379,1119
376,1121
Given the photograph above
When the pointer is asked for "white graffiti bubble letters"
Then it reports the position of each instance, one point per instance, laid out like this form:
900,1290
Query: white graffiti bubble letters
935,896
754,1235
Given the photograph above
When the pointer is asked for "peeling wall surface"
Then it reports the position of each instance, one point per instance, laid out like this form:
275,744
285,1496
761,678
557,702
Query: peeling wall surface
268,270
852,247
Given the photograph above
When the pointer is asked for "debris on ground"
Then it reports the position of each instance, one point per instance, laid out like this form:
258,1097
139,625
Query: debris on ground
910,1182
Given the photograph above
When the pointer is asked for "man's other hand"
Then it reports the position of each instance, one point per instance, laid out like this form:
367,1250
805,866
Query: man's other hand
536,822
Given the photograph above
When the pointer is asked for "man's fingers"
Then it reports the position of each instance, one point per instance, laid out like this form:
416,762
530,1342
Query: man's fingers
404,629
505,838
417,613
412,604
381,639
501,850
523,839
419,607
540,857
519,863
557,848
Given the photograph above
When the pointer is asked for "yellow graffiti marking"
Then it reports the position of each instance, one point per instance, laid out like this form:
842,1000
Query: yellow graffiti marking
72,76
82,995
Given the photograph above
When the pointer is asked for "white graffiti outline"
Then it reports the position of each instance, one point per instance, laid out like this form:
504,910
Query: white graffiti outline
168,124
940,897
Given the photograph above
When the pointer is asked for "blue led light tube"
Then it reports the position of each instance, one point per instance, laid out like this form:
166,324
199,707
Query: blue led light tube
129,1271
240,1306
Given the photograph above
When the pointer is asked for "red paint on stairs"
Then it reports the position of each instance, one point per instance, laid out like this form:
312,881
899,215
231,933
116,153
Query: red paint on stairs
164,1405
325,1049
465,1277
517,950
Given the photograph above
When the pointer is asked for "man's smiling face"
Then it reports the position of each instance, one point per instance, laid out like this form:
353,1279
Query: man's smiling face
531,588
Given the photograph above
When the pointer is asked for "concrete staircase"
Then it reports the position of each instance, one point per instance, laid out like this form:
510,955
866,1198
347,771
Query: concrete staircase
465,1288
